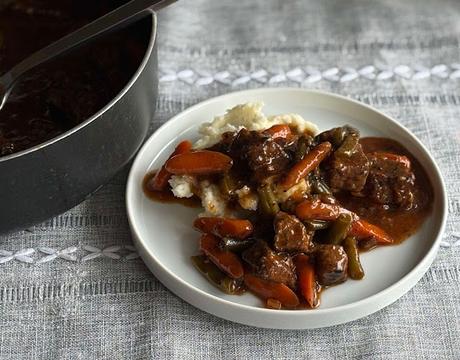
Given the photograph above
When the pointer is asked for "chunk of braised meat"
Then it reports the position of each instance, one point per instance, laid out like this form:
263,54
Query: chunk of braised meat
348,166
262,155
349,172
331,264
270,265
290,234
225,143
391,180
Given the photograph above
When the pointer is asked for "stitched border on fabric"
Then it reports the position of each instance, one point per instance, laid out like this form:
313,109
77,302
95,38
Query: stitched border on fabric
60,291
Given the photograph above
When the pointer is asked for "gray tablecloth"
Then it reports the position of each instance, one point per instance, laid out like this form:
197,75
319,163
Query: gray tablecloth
74,288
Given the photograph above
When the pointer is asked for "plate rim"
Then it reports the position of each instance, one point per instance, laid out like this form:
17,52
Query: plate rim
418,270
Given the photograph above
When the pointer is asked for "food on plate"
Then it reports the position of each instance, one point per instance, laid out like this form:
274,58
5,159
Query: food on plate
288,210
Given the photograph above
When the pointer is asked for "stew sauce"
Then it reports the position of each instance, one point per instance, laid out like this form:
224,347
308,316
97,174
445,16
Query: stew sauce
399,223
367,192
166,196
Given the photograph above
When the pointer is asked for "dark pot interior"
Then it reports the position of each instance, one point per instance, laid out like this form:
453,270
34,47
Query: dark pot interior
74,122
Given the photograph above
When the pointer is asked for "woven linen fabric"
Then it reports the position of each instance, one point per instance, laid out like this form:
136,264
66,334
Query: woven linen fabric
75,288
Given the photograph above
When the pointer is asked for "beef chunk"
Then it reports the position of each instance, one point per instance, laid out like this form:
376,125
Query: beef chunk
262,155
291,235
225,143
348,172
391,180
270,265
348,166
331,263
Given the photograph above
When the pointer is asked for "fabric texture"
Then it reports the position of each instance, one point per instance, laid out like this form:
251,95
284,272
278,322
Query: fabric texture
74,287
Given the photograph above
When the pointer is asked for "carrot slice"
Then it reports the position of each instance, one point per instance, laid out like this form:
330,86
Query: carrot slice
306,279
223,227
273,304
160,180
225,260
317,210
279,131
309,163
271,290
403,160
363,229
199,163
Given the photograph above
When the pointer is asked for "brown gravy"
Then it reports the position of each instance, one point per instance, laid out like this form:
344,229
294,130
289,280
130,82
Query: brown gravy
166,196
399,223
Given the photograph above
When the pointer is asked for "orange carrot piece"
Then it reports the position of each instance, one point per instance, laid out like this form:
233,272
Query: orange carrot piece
317,210
394,157
363,229
306,279
225,260
199,163
160,180
273,304
309,163
271,290
279,131
223,227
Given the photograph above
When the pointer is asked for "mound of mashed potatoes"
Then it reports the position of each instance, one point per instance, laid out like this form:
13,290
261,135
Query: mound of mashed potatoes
251,117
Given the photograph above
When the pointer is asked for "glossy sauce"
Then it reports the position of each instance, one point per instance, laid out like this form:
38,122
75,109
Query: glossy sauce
166,196
398,223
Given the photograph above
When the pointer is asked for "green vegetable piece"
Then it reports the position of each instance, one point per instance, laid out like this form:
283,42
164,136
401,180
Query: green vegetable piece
303,145
355,270
320,187
339,229
267,201
235,245
216,277
228,185
349,145
337,136
334,136
231,286
314,225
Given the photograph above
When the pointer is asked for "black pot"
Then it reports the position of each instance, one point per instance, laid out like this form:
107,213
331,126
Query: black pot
54,176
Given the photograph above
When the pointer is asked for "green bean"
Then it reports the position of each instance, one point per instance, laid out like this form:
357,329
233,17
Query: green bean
289,206
349,145
355,270
267,201
314,225
339,229
231,286
335,135
235,245
228,185
215,276
303,146
320,187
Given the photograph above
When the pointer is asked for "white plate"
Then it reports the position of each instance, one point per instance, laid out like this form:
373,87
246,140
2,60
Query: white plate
165,239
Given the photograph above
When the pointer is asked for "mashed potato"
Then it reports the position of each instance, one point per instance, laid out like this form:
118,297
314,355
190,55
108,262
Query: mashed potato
251,117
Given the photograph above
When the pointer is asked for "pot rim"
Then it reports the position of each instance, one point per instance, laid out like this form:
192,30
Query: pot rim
112,102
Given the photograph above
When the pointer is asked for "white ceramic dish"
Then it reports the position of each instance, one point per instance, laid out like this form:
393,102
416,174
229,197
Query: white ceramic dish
164,236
